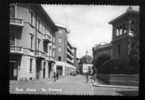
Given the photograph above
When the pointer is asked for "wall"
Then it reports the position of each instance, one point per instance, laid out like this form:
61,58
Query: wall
61,35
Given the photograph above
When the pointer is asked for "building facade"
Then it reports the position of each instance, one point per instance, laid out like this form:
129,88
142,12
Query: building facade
32,42
86,64
65,53
102,49
125,27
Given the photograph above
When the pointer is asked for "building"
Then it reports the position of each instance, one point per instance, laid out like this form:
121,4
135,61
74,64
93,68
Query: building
32,42
124,27
102,49
65,53
86,63
75,57
87,68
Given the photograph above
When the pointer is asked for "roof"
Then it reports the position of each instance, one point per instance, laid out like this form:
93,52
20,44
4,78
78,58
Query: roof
62,27
125,15
41,12
103,46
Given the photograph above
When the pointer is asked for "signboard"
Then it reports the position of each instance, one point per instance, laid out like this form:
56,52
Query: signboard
86,67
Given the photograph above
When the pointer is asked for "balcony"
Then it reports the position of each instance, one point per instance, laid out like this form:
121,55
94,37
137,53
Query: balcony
68,53
16,50
40,54
16,22
47,38
70,60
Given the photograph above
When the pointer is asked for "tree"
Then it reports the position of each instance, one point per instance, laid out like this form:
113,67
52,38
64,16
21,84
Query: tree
99,61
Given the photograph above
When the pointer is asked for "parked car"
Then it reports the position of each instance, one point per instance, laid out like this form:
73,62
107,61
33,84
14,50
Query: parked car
74,73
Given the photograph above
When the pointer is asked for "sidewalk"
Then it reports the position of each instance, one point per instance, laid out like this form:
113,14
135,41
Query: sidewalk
98,84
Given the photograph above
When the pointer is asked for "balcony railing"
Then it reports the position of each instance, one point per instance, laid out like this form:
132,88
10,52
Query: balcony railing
70,60
51,58
40,54
120,37
16,22
68,53
47,38
16,49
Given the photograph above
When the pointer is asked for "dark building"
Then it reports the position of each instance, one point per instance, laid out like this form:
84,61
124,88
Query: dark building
102,49
125,27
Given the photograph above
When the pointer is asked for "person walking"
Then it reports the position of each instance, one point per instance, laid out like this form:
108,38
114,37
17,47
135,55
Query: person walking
87,77
57,75
54,76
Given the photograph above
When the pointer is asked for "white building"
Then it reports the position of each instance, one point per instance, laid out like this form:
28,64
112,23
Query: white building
87,67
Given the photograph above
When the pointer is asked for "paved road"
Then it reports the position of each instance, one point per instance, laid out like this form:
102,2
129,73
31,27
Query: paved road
70,85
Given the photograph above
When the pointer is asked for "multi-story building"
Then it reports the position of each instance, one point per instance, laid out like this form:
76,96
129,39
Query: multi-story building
125,27
102,49
32,42
71,54
65,53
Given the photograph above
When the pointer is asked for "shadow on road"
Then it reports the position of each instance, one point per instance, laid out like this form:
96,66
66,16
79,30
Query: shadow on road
128,93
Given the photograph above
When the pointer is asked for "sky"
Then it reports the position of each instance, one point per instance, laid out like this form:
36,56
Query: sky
88,24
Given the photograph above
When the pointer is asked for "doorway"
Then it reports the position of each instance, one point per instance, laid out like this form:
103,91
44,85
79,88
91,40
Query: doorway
13,70
59,70
44,70
38,68
49,69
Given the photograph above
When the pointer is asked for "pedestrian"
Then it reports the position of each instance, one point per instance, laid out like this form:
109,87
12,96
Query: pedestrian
54,76
57,75
87,77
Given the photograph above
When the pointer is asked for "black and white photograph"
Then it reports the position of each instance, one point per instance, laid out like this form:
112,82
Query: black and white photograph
60,49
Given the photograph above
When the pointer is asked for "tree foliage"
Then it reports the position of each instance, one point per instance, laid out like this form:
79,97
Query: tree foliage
99,61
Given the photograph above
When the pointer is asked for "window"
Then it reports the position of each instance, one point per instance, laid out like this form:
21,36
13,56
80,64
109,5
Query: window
59,40
50,51
45,47
32,19
59,49
121,31
39,24
38,43
31,65
59,58
53,52
12,39
117,32
31,37
124,31
43,30
12,11
44,70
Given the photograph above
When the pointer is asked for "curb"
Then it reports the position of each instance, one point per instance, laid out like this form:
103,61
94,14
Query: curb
115,86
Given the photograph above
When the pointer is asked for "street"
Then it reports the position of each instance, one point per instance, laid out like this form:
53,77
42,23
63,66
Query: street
70,85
